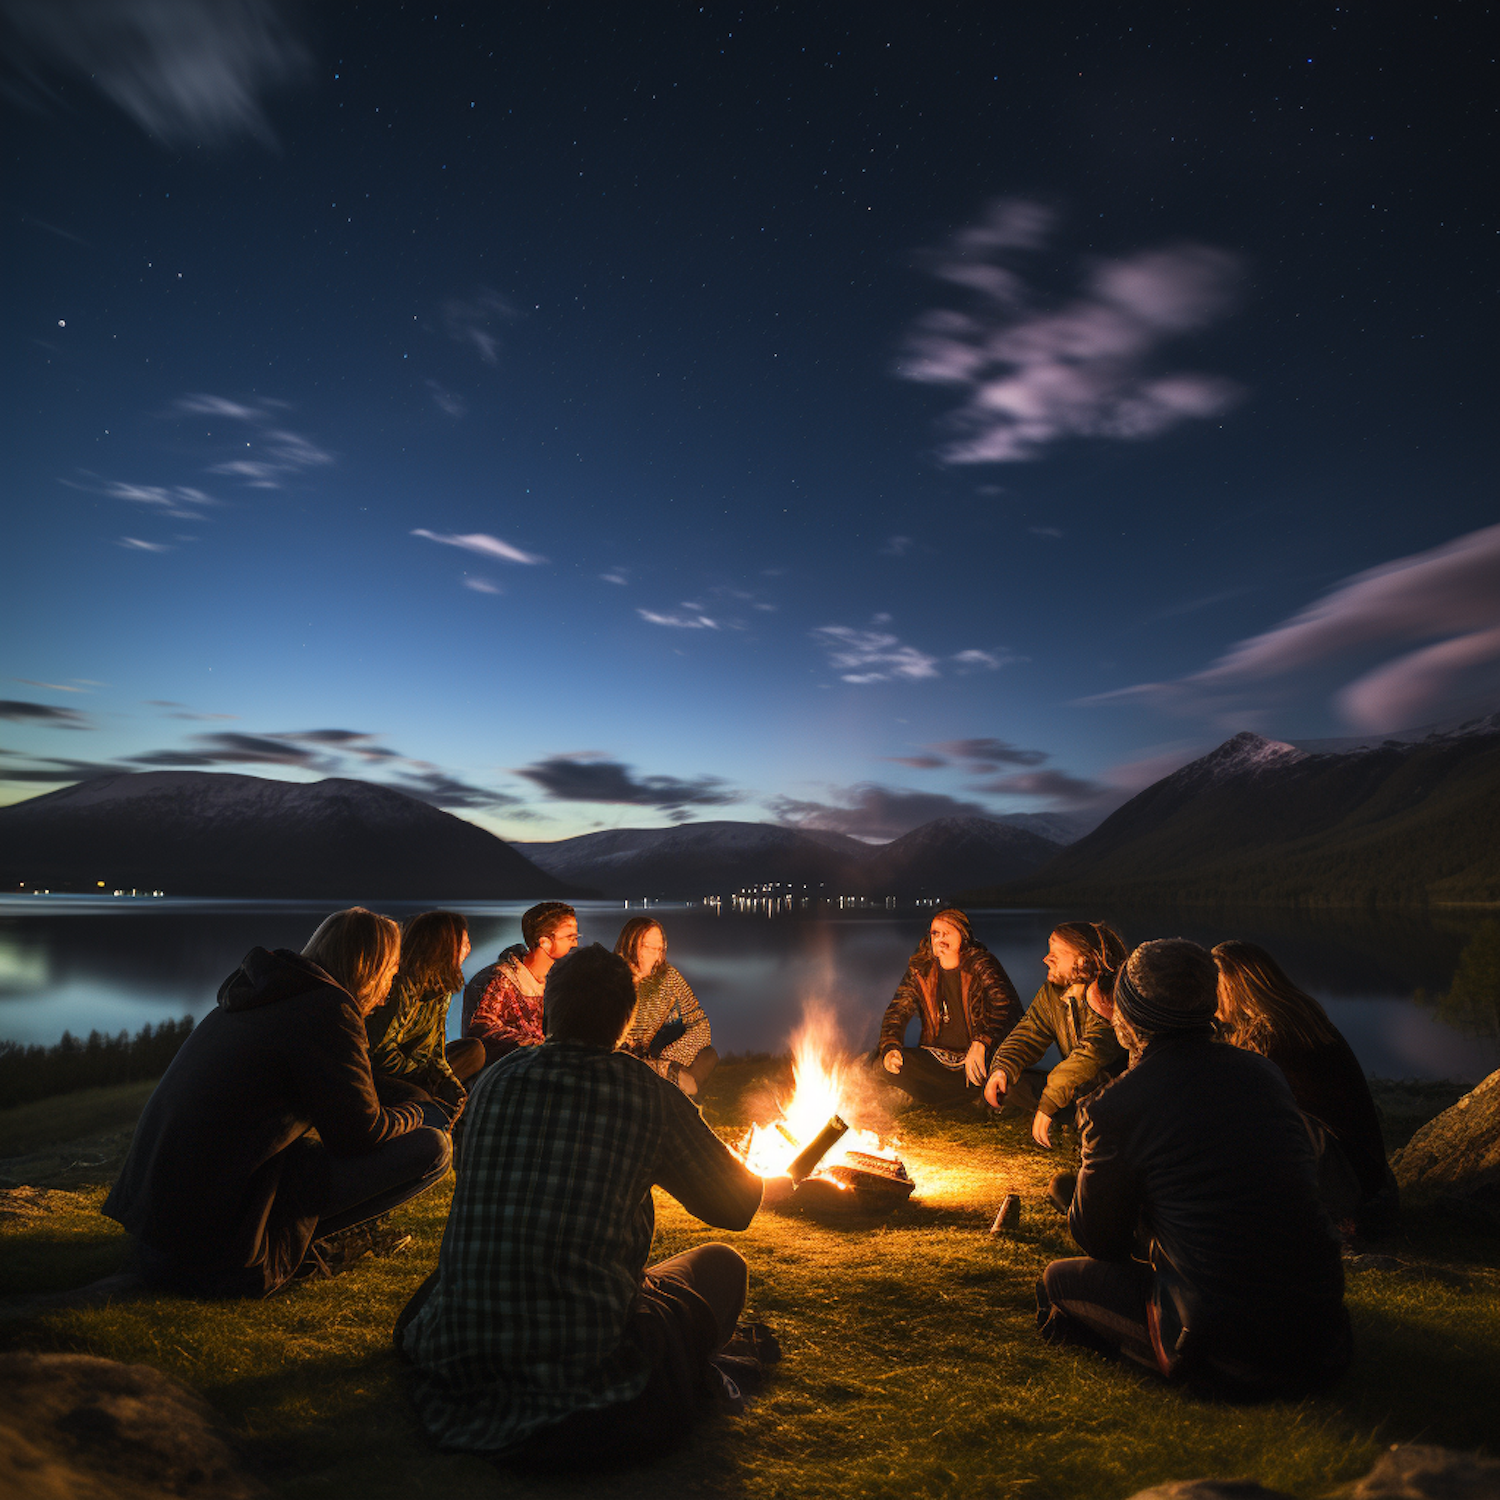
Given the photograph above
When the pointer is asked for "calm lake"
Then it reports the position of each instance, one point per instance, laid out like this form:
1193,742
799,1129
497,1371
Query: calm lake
77,963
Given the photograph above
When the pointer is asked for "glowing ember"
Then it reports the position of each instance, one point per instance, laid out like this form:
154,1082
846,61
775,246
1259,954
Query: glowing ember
821,1091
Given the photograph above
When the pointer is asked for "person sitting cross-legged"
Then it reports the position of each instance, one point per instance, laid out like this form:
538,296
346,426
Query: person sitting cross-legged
502,1005
1070,1012
1198,1150
543,1337
669,1031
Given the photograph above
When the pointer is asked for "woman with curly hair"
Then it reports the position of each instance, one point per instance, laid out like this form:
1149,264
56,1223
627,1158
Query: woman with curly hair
669,1031
1261,1010
407,1033
967,1004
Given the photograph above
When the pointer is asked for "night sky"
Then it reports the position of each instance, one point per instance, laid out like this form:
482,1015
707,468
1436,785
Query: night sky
587,416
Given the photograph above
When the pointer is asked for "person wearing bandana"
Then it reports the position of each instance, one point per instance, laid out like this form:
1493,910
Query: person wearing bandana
1207,1254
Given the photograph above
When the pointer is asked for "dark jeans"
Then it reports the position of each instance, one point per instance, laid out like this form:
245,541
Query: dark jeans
927,1080
319,1194
685,1313
1120,1306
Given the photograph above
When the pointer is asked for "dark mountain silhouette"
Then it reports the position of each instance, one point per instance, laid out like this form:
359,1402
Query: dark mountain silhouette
206,833
694,860
719,858
1257,821
950,854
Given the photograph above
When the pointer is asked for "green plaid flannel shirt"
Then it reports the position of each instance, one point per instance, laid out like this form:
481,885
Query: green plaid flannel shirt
548,1236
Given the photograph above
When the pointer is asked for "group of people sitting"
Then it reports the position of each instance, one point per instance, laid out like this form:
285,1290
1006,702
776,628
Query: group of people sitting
322,1092
1217,1181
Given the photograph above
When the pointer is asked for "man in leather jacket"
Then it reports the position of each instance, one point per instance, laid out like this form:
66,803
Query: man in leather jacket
967,1005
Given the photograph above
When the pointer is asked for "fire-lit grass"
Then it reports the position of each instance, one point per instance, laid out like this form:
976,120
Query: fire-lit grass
911,1363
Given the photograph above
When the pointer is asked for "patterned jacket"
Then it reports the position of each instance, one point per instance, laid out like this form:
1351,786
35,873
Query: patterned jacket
662,999
407,1036
509,1014
991,1005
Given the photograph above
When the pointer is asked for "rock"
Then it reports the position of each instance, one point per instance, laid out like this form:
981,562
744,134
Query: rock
92,1429
1211,1489
1455,1159
1412,1472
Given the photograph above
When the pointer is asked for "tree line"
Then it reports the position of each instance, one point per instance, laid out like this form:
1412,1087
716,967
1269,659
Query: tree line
28,1073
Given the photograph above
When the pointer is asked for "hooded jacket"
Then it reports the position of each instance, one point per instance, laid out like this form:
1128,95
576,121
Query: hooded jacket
991,1005
221,1179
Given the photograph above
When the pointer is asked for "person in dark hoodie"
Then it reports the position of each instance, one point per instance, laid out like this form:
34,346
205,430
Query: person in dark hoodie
224,1188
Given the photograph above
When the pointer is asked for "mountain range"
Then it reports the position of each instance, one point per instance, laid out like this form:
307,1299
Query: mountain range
719,858
208,833
1263,822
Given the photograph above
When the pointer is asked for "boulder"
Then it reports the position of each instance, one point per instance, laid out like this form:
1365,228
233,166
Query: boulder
1413,1472
92,1429
1454,1160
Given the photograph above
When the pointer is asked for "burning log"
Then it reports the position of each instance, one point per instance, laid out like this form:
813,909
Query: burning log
806,1161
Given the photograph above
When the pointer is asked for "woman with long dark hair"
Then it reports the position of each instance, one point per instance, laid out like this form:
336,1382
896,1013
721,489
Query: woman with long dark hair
408,1032
1261,1010
669,1031
967,1005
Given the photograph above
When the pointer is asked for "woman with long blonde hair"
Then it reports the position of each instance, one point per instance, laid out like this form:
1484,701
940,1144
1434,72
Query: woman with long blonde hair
1262,1010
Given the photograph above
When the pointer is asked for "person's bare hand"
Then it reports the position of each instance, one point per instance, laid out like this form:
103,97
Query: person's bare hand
892,1061
1041,1129
994,1090
974,1063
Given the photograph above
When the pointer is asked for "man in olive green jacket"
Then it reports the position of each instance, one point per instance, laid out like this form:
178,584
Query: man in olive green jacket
1060,1015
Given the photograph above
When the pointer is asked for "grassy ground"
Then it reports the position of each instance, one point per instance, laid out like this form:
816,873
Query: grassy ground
911,1363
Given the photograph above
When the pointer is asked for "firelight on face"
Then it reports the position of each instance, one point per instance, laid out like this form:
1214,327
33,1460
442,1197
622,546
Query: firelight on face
946,943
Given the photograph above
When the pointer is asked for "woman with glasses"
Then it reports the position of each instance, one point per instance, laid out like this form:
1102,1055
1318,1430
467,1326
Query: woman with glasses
669,1031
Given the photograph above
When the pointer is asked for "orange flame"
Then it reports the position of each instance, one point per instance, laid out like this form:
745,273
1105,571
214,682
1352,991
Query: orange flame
820,1074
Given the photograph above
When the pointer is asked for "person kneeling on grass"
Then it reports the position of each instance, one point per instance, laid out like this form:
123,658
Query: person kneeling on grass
1200,1149
543,1337
224,1188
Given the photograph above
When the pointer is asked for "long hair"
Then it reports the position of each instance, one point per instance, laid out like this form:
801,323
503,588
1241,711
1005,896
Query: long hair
632,935
1259,1006
1100,949
430,944
959,920
356,948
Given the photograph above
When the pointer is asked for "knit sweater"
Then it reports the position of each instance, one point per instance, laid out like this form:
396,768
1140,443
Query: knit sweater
663,998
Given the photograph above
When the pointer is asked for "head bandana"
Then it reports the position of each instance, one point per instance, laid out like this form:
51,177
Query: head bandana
1157,1018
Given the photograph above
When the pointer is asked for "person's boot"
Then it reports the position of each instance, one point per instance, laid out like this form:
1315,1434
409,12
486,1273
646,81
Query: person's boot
1060,1191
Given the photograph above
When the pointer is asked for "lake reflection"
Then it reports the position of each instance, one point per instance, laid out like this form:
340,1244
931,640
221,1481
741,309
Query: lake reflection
76,963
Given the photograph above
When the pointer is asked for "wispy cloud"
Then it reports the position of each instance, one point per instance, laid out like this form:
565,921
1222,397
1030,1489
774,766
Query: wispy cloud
78,685
590,776
688,621
481,585
44,714
177,710
476,321
1050,531
179,500
897,546
135,544
616,576
1447,598
447,400
986,754
1031,375
478,541
188,72
876,655
1061,789
870,811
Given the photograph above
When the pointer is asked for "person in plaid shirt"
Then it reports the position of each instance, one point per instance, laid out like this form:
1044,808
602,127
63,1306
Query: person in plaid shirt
543,1335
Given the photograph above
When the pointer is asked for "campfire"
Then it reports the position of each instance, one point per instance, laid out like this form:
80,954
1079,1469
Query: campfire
810,1155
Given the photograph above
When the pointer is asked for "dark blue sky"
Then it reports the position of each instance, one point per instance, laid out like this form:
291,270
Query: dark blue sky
839,413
